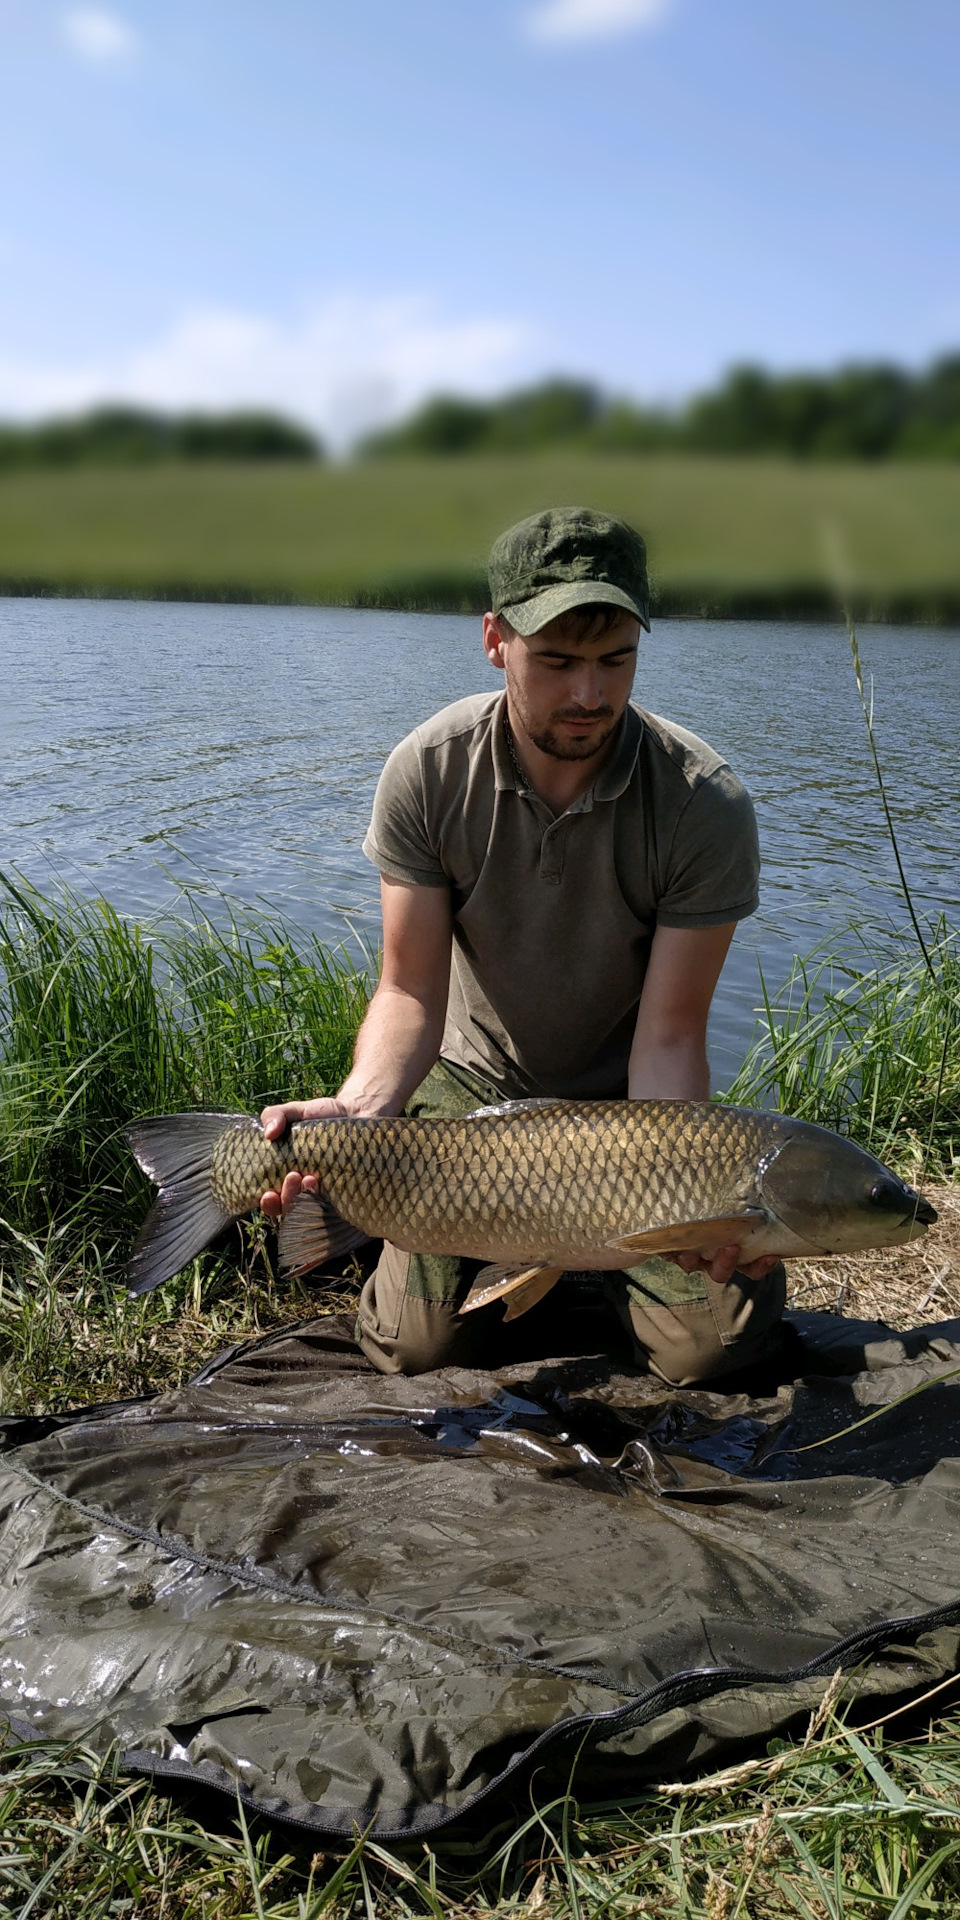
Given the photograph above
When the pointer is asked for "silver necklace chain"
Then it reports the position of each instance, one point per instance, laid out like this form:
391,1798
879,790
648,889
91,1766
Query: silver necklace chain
522,780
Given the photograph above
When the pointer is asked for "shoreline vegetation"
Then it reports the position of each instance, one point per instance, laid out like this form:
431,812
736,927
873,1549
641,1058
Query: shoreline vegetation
728,537
102,1019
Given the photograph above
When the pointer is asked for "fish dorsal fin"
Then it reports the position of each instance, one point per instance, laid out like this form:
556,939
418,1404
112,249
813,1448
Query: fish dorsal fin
692,1236
516,1106
524,1284
312,1230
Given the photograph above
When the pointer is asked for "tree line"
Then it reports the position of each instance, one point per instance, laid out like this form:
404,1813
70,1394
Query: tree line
855,413
121,436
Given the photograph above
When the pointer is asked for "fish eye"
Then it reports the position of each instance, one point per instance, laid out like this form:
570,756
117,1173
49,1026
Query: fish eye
887,1193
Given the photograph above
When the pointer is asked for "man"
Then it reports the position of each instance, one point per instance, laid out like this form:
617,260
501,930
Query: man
561,877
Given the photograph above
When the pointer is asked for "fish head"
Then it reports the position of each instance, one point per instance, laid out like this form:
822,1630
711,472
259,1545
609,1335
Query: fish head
834,1197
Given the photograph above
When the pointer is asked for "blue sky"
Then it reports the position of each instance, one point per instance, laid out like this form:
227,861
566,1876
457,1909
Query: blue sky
337,208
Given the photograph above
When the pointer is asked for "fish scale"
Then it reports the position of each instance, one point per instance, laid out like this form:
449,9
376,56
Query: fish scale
531,1186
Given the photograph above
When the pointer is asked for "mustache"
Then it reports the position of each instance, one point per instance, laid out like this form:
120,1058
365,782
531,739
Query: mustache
579,713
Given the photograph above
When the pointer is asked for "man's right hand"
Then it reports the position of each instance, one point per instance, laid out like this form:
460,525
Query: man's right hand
275,1121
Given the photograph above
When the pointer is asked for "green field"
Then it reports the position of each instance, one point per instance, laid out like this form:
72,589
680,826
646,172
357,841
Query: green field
726,536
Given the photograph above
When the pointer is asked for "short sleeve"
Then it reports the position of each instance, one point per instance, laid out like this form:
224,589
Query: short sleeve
398,839
714,864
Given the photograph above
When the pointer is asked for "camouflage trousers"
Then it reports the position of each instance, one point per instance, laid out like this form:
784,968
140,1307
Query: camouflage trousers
680,1326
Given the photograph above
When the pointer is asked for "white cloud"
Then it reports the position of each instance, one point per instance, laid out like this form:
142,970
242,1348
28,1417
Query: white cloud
101,38
347,366
594,19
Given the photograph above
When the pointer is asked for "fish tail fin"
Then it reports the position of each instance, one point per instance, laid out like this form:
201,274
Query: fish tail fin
175,1150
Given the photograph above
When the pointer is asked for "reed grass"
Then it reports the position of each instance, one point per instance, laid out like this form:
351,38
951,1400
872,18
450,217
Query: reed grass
870,1051
102,1021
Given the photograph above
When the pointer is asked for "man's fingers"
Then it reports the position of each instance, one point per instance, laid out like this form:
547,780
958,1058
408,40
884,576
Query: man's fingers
758,1269
275,1120
722,1265
275,1205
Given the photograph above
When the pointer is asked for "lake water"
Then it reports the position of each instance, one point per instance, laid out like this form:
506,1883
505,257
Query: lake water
144,748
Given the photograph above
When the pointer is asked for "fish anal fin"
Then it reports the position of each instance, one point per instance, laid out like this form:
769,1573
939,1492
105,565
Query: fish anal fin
692,1236
525,1284
312,1231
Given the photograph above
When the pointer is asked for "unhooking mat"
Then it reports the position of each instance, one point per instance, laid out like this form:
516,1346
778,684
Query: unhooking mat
368,1603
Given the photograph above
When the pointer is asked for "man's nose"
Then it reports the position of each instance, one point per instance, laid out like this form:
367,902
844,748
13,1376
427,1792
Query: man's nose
586,686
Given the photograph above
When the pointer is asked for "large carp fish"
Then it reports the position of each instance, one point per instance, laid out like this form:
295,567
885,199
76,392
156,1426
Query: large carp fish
531,1188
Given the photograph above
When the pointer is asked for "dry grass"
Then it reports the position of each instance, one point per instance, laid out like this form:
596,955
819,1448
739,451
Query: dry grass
902,1286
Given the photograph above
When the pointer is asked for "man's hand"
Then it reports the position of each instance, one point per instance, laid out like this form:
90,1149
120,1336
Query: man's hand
275,1121
722,1265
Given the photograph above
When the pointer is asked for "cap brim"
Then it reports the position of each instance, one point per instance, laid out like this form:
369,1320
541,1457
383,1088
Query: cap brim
528,616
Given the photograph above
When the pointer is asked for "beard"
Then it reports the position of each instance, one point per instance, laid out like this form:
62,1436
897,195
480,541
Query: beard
559,746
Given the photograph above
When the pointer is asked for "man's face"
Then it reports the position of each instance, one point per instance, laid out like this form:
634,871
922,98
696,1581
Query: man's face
568,689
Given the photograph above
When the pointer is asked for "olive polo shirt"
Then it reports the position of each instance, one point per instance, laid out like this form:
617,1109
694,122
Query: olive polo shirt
554,915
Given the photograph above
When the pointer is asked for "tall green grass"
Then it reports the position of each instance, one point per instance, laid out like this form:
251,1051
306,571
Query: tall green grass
871,1051
101,1022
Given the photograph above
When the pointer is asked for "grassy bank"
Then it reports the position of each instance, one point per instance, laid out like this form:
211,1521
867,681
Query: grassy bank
100,1020
726,536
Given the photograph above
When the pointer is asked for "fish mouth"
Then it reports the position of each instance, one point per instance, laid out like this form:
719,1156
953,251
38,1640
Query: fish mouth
921,1210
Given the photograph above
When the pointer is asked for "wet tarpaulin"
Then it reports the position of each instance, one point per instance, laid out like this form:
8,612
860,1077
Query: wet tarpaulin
368,1602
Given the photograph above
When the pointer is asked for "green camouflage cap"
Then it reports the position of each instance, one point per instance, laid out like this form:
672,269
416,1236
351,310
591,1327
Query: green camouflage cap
567,557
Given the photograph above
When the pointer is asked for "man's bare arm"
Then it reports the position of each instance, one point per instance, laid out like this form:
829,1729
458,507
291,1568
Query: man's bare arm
399,1040
668,1059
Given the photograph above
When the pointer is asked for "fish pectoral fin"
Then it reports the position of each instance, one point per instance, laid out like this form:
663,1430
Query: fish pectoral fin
521,1286
312,1230
692,1236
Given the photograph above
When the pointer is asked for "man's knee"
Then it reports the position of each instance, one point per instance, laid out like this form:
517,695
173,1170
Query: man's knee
686,1342
403,1332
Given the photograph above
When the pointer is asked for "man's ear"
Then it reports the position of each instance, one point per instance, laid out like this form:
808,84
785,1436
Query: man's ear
493,640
